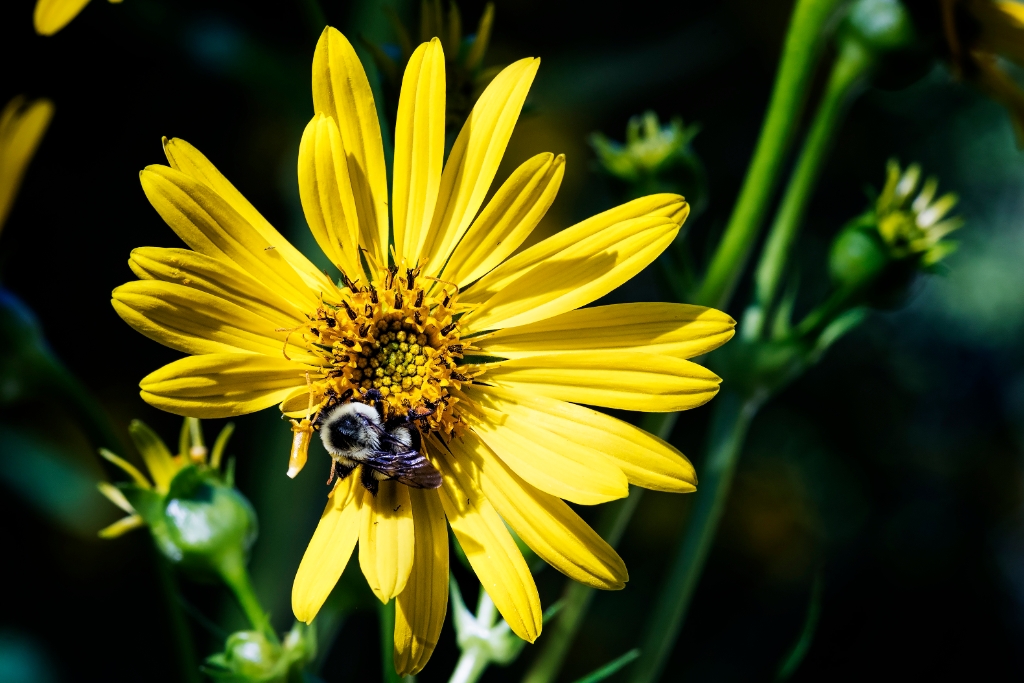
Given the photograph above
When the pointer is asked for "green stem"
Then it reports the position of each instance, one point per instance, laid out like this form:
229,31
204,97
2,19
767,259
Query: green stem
474,660
387,641
577,597
803,40
236,576
179,626
729,425
852,62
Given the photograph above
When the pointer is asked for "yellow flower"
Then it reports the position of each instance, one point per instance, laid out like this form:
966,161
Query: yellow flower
22,125
492,341
53,15
915,227
978,33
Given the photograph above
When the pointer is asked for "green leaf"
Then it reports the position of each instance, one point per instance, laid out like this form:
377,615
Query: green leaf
610,668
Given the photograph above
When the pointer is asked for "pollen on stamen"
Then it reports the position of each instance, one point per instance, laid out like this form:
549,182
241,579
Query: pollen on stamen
395,337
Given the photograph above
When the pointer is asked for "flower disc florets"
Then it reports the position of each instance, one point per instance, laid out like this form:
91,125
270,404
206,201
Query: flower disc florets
397,336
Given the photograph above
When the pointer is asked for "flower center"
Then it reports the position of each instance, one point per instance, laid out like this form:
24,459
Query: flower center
396,336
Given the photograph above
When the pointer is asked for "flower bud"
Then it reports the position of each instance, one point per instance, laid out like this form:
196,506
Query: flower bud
252,657
880,25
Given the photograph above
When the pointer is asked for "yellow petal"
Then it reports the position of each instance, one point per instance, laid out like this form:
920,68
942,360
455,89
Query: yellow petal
217,277
21,130
341,91
489,547
548,461
128,468
114,495
669,206
329,550
121,526
611,379
53,15
419,149
325,190
474,159
576,276
161,464
386,539
508,219
545,523
222,384
420,608
195,322
208,224
190,161
645,459
678,330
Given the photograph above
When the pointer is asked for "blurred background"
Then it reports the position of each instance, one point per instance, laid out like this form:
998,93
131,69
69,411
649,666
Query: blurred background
894,470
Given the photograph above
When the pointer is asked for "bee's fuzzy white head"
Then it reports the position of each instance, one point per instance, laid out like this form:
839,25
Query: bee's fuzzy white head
349,427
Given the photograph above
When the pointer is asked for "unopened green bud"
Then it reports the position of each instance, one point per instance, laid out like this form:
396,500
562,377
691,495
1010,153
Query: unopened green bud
654,158
857,255
881,25
200,524
252,657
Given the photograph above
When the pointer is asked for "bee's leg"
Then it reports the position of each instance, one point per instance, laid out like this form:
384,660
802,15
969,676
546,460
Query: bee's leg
340,470
369,481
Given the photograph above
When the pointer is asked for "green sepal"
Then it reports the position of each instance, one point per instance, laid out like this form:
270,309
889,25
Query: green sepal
149,503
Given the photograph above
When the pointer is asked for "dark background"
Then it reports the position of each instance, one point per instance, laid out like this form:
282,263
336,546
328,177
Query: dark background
893,469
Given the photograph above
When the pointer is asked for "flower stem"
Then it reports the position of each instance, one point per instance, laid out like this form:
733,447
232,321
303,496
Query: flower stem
179,627
474,660
852,62
577,597
236,576
803,40
387,641
729,425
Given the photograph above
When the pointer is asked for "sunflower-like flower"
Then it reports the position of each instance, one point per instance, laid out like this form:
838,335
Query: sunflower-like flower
980,32
22,125
487,346
52,15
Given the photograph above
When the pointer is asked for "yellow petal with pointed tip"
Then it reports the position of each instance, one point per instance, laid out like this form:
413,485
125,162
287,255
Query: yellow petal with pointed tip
52,15
489,547
611,379
678,330
121,526
21,130
341,91
669,206
419,149
474,159
211,226
114,495
161,464
190,161
195,322
645,459
548,461
386,539
508,219
329,550
421,607
127,467
325,191
545,523
217,277
577,275
222,384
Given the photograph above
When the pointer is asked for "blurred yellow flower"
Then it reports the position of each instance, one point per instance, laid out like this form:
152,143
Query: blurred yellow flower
53,15
979,33
22,125
492,342
915,227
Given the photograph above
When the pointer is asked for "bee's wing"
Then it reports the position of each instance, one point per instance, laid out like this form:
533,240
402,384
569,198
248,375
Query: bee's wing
407,467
